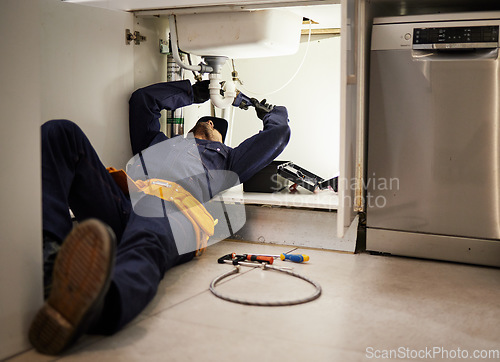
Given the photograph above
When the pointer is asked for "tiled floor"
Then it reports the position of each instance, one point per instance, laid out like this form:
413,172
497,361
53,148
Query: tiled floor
369,306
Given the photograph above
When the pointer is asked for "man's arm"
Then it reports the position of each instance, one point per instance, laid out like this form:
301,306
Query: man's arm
145,105
258,151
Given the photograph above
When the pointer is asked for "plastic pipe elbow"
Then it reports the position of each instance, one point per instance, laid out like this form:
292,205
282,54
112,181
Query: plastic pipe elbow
216,98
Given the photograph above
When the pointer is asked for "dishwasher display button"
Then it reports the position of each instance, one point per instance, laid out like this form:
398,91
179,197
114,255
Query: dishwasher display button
407,36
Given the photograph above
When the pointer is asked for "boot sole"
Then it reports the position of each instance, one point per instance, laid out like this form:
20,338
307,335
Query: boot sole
81,278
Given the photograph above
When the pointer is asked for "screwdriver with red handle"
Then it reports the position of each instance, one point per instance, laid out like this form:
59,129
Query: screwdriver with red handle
261,258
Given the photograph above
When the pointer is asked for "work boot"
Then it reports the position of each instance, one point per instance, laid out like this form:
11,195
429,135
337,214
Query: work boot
81,278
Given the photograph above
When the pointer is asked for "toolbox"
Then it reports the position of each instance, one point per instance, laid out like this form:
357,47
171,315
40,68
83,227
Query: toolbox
266,180
306,179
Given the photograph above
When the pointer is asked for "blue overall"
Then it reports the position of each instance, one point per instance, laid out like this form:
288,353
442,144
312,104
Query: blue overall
74,177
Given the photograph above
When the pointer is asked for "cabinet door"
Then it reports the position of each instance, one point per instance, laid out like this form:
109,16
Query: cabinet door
20,187
59,60
352,115
87,73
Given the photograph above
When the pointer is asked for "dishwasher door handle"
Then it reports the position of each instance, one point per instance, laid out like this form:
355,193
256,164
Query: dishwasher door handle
454,54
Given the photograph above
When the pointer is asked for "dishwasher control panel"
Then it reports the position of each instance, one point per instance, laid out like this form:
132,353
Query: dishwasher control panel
456,37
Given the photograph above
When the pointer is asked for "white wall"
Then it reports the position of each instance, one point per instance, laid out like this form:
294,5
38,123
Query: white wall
312,100
20,191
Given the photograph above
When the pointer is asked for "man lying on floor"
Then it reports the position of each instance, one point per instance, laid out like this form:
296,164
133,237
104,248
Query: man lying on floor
109,265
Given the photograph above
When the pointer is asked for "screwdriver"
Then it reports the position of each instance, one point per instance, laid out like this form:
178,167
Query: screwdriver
296,258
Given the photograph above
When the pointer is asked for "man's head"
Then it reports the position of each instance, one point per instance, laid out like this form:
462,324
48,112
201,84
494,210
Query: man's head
210,128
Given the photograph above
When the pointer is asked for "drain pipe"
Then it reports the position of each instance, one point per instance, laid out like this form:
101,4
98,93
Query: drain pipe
219,100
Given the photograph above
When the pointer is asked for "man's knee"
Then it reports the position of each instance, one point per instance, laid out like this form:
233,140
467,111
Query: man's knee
59,128
59,124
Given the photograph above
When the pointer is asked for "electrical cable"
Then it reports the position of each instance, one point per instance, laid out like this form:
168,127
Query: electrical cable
265,266
293,76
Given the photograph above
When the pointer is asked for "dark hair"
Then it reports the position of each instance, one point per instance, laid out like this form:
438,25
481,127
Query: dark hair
220,124
200,128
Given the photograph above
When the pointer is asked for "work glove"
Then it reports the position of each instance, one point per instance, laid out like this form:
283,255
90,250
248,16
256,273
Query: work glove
201,93
261,108
244,105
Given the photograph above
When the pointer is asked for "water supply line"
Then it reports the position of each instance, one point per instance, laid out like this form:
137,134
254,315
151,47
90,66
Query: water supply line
202,68
213,66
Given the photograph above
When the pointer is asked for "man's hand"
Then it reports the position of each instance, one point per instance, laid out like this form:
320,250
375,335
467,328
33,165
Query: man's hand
201,93
261,108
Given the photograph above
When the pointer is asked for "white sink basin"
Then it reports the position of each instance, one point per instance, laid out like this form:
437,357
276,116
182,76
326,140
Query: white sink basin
236,35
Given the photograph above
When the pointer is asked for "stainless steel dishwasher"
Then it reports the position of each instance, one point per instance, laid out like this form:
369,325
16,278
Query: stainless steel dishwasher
433,162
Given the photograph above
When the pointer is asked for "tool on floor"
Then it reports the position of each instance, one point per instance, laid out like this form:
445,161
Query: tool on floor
235,259
261,258
296,258
242,260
